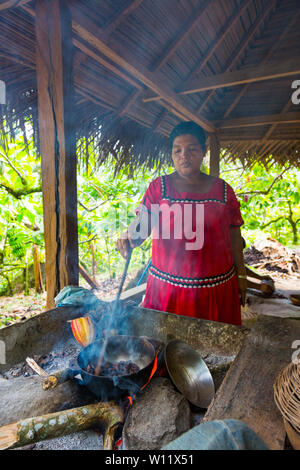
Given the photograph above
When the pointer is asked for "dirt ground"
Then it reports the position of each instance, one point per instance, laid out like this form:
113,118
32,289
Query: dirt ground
267,257
21,307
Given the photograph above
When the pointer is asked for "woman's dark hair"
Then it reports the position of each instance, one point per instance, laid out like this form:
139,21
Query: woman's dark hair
188,127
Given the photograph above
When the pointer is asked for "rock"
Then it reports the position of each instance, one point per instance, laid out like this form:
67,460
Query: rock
158,416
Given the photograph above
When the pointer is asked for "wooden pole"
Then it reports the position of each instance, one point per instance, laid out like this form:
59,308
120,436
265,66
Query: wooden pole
38,281
214,162
57,143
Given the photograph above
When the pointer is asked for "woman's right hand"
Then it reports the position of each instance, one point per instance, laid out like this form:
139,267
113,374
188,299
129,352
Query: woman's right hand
124,243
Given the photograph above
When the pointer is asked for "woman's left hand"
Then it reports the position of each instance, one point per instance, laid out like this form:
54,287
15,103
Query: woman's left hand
242,284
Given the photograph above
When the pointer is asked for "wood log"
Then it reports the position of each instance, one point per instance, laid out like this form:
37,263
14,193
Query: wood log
23,397
53,425
93,283
53,380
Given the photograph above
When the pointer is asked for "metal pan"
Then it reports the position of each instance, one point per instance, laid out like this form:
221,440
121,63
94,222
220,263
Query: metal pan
118,348
189,373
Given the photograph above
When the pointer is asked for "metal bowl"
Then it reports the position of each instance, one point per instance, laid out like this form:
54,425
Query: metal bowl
189,373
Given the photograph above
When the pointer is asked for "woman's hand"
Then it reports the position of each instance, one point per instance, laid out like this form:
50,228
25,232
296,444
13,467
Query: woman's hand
123,243
242,284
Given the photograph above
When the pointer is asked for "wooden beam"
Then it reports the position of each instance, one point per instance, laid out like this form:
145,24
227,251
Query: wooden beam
220,38
253,121
129,100
239,50
185,30
121,15
214,158
242,76
91,34
273,127
6,4
57,143
271,51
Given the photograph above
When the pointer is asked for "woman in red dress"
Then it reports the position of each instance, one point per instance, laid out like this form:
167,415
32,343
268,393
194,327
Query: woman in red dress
197,259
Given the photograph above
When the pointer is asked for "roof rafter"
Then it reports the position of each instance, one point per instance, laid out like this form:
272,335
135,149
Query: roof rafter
240,77
6,4
265,60
184,32
240,49
220,38
91,34
253,121
120,16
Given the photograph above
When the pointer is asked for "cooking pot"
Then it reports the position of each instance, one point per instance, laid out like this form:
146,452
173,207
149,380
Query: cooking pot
118,348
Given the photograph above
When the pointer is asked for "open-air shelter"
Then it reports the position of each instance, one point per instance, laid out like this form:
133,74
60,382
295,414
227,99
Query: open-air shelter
122,73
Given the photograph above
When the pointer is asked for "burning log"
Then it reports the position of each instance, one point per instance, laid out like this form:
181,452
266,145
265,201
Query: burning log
58,424
53,380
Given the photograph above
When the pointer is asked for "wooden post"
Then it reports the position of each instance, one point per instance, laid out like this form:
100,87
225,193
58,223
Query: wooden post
38,281
57,143
214,162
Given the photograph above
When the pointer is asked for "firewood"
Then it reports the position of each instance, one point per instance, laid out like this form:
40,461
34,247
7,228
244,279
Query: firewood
31,362
53,425
58,378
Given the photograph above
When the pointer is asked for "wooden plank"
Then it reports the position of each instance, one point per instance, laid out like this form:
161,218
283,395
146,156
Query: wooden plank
135,293
246,393
214,159
91,34
57,143
253,121
240,77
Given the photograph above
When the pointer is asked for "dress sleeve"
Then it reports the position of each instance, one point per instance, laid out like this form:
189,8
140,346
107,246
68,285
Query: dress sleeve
233,206
151,196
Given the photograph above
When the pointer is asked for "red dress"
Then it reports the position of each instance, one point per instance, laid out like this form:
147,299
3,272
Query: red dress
192,271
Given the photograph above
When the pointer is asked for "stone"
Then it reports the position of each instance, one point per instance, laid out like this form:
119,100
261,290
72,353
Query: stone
157,417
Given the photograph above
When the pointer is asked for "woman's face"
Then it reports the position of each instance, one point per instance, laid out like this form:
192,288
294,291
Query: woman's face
187,155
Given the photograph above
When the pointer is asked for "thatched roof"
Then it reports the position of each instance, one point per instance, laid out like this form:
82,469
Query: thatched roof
141,66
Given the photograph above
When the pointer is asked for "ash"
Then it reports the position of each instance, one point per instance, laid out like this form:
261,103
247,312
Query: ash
60,358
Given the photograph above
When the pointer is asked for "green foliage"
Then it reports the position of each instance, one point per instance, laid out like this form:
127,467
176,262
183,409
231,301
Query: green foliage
270,199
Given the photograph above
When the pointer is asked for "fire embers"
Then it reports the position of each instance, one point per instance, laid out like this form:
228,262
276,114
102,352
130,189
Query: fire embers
110,369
